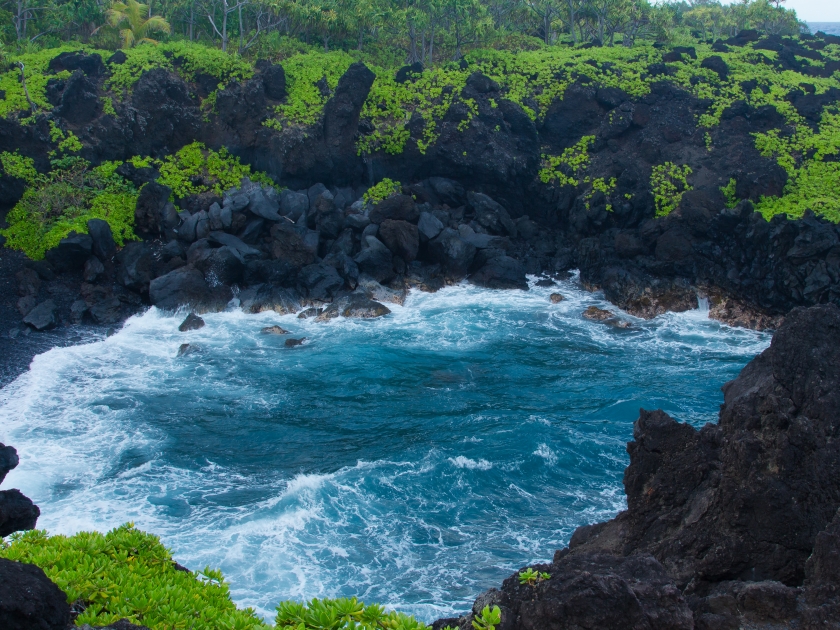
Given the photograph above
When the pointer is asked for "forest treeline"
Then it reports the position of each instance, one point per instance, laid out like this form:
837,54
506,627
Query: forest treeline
396,31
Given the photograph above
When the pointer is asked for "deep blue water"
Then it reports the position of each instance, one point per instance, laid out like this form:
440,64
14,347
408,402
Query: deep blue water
414,460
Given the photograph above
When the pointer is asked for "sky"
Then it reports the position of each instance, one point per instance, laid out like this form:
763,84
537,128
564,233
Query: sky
816,10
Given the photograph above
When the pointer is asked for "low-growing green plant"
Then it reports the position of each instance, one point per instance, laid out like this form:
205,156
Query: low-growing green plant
488,619
129,574
532,577
341,614
64,200
195,169
381,191
729,193
16,165
567,169
669,183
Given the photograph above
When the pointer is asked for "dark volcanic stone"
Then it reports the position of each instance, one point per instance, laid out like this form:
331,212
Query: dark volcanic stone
192,322
274,81
102,238
42,317
150,206
397,208
71,253
401,237
17,512
182,287
79,101
29,600
8,460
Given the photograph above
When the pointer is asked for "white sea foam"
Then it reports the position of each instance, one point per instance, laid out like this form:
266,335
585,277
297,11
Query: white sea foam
471,464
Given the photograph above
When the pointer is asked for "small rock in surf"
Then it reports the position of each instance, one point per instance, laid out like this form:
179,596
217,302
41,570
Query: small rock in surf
192,322
274,330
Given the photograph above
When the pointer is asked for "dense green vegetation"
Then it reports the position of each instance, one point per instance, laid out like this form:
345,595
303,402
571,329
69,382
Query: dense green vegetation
429,31
73,192
527,47
129,574
64,200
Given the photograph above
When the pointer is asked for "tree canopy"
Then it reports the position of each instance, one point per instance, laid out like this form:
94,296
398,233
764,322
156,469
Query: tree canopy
403,31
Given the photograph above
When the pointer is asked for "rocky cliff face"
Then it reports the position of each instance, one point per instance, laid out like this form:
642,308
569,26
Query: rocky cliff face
734,525
472,204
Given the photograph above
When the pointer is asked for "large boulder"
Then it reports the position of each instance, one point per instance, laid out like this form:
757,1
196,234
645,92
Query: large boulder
501,272
71,253
274,82
319,281
79,102
17,512
452,252
396,208
8,460
102,239
149,210
43,316
294,244
186,286
376,260
29,600
491,215
136,266
401,237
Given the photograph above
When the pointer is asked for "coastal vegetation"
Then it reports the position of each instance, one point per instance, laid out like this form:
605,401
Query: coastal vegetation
128,574
533,50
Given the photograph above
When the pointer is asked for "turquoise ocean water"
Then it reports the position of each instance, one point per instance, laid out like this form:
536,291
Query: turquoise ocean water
414,460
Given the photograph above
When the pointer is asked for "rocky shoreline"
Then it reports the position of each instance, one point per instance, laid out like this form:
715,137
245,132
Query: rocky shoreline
472,207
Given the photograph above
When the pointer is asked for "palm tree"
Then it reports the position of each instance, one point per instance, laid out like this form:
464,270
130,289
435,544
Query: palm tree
136,22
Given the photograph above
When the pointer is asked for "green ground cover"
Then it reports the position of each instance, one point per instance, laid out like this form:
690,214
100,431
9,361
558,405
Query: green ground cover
129,574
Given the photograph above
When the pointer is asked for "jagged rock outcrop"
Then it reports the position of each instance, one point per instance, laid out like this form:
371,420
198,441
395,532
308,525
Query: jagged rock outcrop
728,526
17,512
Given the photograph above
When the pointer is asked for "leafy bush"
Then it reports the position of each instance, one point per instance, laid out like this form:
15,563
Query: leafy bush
341,614
567,169
382,190
129,574
64,200
186,58
196,169
729,193
531,577
668,183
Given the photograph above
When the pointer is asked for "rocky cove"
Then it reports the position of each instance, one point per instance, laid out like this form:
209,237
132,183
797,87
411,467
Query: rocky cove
728,525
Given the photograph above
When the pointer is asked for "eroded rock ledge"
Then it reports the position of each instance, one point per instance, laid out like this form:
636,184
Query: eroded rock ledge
734,525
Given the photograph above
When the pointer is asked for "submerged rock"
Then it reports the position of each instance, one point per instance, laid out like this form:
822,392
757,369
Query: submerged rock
274,330
597,314
556,298
291,343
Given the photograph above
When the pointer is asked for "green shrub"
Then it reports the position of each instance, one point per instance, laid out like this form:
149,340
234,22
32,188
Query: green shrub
196,169
668,182
188,59
341,614
729,193
64,200
129,574
567,169
382,190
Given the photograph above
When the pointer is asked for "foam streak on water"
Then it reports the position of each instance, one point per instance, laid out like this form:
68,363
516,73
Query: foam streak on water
414,460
